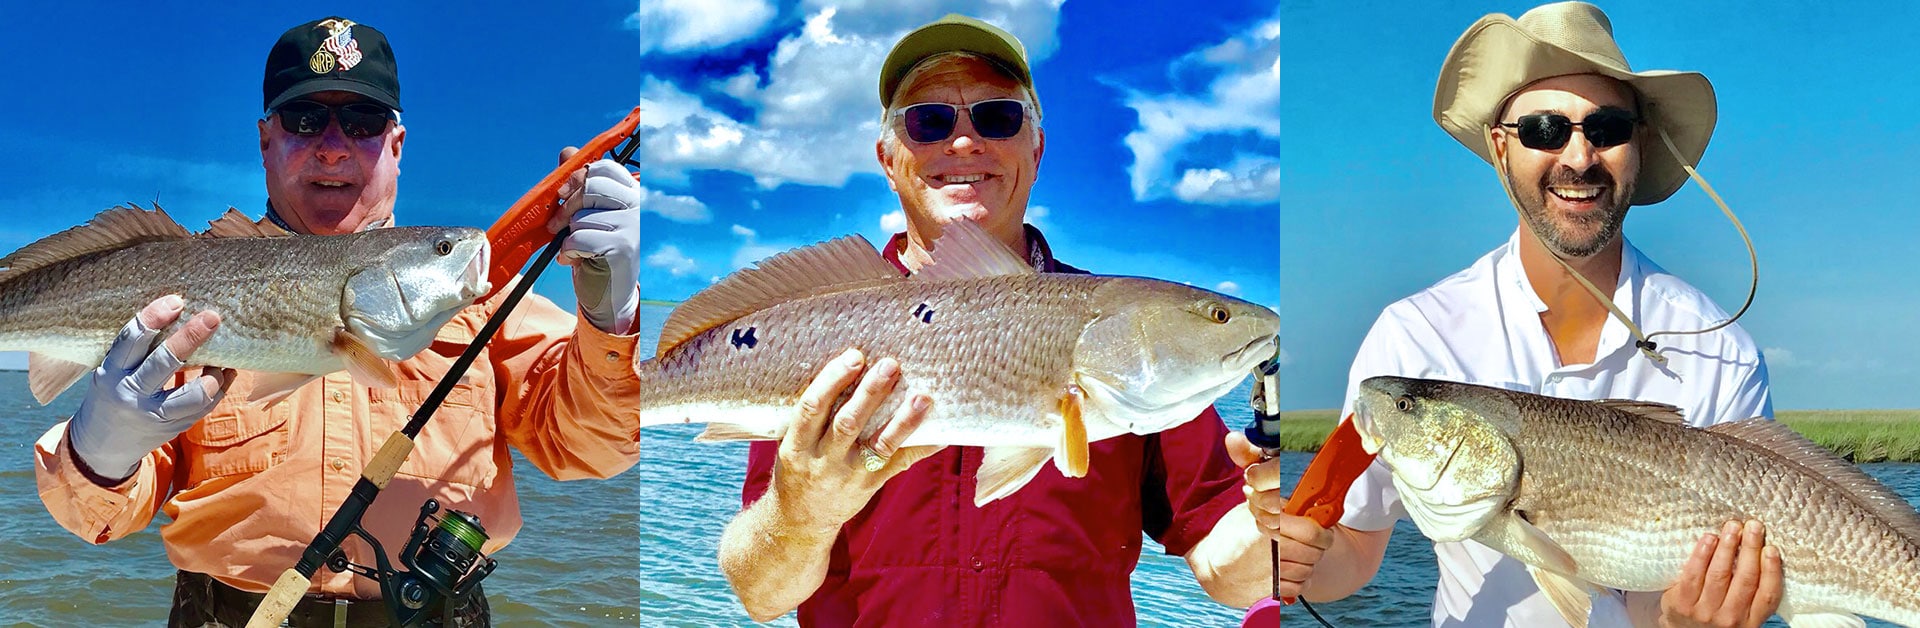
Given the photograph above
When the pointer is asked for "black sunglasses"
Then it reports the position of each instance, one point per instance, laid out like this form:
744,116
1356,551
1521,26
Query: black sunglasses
360,119
1550,131
996,119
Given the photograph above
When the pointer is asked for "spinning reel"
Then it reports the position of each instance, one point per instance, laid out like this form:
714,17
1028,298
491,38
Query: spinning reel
442,560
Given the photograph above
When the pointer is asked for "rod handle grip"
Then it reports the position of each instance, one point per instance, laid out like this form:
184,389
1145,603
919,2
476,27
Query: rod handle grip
286,592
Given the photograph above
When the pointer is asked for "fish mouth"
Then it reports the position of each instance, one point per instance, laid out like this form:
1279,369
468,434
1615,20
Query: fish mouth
1260,348
473,278
1362,419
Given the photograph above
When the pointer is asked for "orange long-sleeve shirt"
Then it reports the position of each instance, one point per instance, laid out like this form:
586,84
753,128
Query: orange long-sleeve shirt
247,489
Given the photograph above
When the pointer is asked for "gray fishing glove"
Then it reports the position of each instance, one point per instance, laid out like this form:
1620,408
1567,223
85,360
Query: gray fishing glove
604,248
126,413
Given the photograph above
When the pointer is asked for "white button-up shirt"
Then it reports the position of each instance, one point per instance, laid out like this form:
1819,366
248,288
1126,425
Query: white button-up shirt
1482,326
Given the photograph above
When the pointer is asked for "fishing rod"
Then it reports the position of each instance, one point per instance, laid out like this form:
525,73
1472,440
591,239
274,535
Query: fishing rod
1264,432
1320,494
443,560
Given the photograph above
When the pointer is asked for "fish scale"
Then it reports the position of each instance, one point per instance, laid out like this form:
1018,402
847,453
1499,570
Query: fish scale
1628,496
1641,541
1031,366
80,304
290,305
997,347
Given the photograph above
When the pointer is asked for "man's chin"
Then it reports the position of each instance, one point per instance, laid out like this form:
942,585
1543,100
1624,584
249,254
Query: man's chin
967,211
331,221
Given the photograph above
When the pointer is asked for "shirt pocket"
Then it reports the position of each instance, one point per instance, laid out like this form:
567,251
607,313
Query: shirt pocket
458,444
235,439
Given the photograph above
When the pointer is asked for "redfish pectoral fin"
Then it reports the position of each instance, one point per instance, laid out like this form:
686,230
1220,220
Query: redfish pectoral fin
1072,459
367,367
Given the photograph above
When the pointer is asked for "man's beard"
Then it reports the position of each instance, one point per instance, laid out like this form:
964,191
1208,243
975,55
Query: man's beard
1604,224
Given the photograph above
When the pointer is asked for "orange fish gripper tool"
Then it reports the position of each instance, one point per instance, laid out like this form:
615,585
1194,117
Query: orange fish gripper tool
523,229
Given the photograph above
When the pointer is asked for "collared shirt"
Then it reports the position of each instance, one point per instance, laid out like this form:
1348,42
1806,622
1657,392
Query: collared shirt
1482,326
247,489
1058,552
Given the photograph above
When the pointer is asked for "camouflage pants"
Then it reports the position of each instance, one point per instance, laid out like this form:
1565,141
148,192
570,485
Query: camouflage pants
199,601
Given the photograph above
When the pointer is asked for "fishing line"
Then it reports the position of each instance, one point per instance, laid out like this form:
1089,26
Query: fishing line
1644,341
1314,613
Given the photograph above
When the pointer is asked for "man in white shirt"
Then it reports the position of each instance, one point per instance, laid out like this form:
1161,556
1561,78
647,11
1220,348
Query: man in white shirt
1577,138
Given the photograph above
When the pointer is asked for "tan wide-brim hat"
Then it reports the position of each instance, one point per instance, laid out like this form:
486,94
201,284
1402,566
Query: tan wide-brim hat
1498,55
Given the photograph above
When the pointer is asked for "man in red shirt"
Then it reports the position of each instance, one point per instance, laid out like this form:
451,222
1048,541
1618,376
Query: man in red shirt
961,141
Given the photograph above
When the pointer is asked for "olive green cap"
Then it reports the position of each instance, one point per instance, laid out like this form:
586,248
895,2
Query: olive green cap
954,33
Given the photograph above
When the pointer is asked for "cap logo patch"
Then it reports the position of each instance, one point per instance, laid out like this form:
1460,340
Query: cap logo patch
339,48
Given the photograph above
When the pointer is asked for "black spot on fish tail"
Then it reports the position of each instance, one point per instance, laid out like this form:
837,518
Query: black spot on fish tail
738,339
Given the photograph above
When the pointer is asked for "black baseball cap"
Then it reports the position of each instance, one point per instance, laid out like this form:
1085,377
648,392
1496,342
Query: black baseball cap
332,54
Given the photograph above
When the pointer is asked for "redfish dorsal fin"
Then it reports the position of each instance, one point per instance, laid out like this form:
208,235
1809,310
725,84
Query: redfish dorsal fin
234,224
111,230
832,266
965,250
1647,409
1792,448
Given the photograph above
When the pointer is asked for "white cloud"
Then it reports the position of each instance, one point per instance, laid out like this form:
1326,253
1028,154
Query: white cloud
1782,358
683,25
893,222
670,258
751,249
1227,287
1249,180
675,208
741,86
815,111
1243,99
1037,216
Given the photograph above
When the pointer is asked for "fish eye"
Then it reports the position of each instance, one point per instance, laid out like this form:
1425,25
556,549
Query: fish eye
1215,312
443,247
1403,404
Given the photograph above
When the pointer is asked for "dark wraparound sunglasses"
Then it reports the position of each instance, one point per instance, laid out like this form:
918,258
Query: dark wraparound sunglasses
996,119
1550,131
309,118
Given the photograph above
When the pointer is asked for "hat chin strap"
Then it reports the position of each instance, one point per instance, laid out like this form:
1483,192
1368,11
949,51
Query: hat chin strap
1644,341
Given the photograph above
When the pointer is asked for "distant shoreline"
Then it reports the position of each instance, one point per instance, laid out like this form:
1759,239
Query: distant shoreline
1856,435
654,302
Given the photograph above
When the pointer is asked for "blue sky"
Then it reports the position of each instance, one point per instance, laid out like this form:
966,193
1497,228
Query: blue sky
1815,151
760,118
135,102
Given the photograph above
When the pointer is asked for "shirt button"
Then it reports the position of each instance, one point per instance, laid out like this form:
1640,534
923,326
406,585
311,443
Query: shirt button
339,463
339,396
977,565
613,356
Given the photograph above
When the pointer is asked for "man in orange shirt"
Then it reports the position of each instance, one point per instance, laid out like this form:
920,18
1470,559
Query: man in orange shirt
248,488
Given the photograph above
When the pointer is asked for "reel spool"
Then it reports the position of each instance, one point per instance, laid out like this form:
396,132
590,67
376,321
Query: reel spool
442,560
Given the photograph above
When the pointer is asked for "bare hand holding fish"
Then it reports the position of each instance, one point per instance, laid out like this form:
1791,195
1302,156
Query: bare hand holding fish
1723,578
820,479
